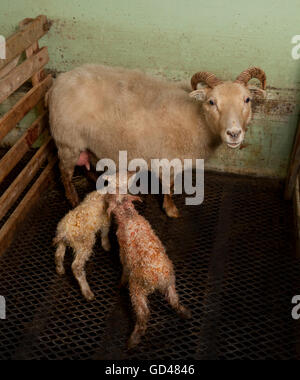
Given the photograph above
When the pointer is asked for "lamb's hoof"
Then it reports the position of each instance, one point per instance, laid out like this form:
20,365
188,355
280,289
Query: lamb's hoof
172,212
60,270
106,247
89,295
122,285
185,314
132,343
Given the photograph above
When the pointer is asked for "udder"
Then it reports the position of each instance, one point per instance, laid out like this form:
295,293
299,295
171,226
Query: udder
84,160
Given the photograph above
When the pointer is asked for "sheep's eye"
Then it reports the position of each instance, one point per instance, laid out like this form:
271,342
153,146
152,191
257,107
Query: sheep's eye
211,102
247,100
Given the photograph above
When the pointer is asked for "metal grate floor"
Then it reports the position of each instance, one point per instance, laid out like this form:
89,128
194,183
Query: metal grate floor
235,267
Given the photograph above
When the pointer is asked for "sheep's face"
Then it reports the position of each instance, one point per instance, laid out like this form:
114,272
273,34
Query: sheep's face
227,110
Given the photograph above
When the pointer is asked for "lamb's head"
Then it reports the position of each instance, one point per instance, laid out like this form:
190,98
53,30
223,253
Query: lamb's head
124,202
227,105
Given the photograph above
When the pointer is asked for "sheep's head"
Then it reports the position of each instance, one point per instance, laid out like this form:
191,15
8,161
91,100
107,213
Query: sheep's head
227,105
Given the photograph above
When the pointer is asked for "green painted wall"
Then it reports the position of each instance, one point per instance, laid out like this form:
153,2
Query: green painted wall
175,38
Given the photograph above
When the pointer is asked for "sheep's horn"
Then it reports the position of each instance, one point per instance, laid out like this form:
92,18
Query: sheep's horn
252,72
205,77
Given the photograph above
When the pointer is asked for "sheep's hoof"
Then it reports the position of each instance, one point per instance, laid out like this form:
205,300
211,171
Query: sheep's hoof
73,198
172,212
74,202
89,295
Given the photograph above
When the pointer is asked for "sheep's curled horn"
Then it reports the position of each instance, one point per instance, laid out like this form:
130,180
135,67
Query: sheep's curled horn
252,72
205,77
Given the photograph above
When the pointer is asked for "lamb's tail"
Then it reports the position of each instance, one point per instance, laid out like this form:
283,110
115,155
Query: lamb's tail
58,239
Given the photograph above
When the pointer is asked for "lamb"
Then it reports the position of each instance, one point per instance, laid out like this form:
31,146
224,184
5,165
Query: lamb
78,230
103,110
146,266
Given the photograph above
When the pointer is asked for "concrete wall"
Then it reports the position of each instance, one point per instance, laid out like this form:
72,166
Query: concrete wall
175,38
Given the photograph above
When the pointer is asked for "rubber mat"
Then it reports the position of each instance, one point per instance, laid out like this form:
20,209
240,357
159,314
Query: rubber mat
236,269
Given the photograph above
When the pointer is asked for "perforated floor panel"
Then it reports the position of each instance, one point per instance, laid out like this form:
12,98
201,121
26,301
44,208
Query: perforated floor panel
236,270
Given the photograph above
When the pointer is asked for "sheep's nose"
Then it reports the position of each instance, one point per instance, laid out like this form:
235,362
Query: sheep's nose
234,134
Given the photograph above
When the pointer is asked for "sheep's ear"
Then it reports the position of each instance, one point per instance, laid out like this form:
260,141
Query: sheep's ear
257,92
199,95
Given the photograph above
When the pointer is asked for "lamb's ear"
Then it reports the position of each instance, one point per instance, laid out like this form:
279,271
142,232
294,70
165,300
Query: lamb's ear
257,92
133,198
199,95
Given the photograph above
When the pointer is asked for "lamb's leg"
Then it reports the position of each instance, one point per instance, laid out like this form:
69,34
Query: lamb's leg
169,205
68,161
104,238
173,299
140,306
125,274
125,277
59,258
82,256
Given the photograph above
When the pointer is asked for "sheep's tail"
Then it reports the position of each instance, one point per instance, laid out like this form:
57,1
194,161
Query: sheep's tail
47,96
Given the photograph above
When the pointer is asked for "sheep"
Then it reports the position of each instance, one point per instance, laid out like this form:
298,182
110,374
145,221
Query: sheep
78,230
104,110
146,266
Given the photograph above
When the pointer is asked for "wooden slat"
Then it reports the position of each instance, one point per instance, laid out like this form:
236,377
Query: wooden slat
21,182
20,74
29,101
40,75
33,49
8,68
15,154
26,37
10,227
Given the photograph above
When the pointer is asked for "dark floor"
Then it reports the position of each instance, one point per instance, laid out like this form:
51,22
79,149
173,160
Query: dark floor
235,266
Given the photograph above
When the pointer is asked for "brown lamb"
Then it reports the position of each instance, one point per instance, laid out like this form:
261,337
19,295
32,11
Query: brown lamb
146,266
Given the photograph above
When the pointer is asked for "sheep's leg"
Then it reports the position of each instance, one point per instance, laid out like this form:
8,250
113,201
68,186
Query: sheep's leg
104,238
173,299
169,205
68,161
140,306
59,258
82,256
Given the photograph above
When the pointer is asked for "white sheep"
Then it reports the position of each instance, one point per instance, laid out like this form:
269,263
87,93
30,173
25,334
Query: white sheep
104,110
